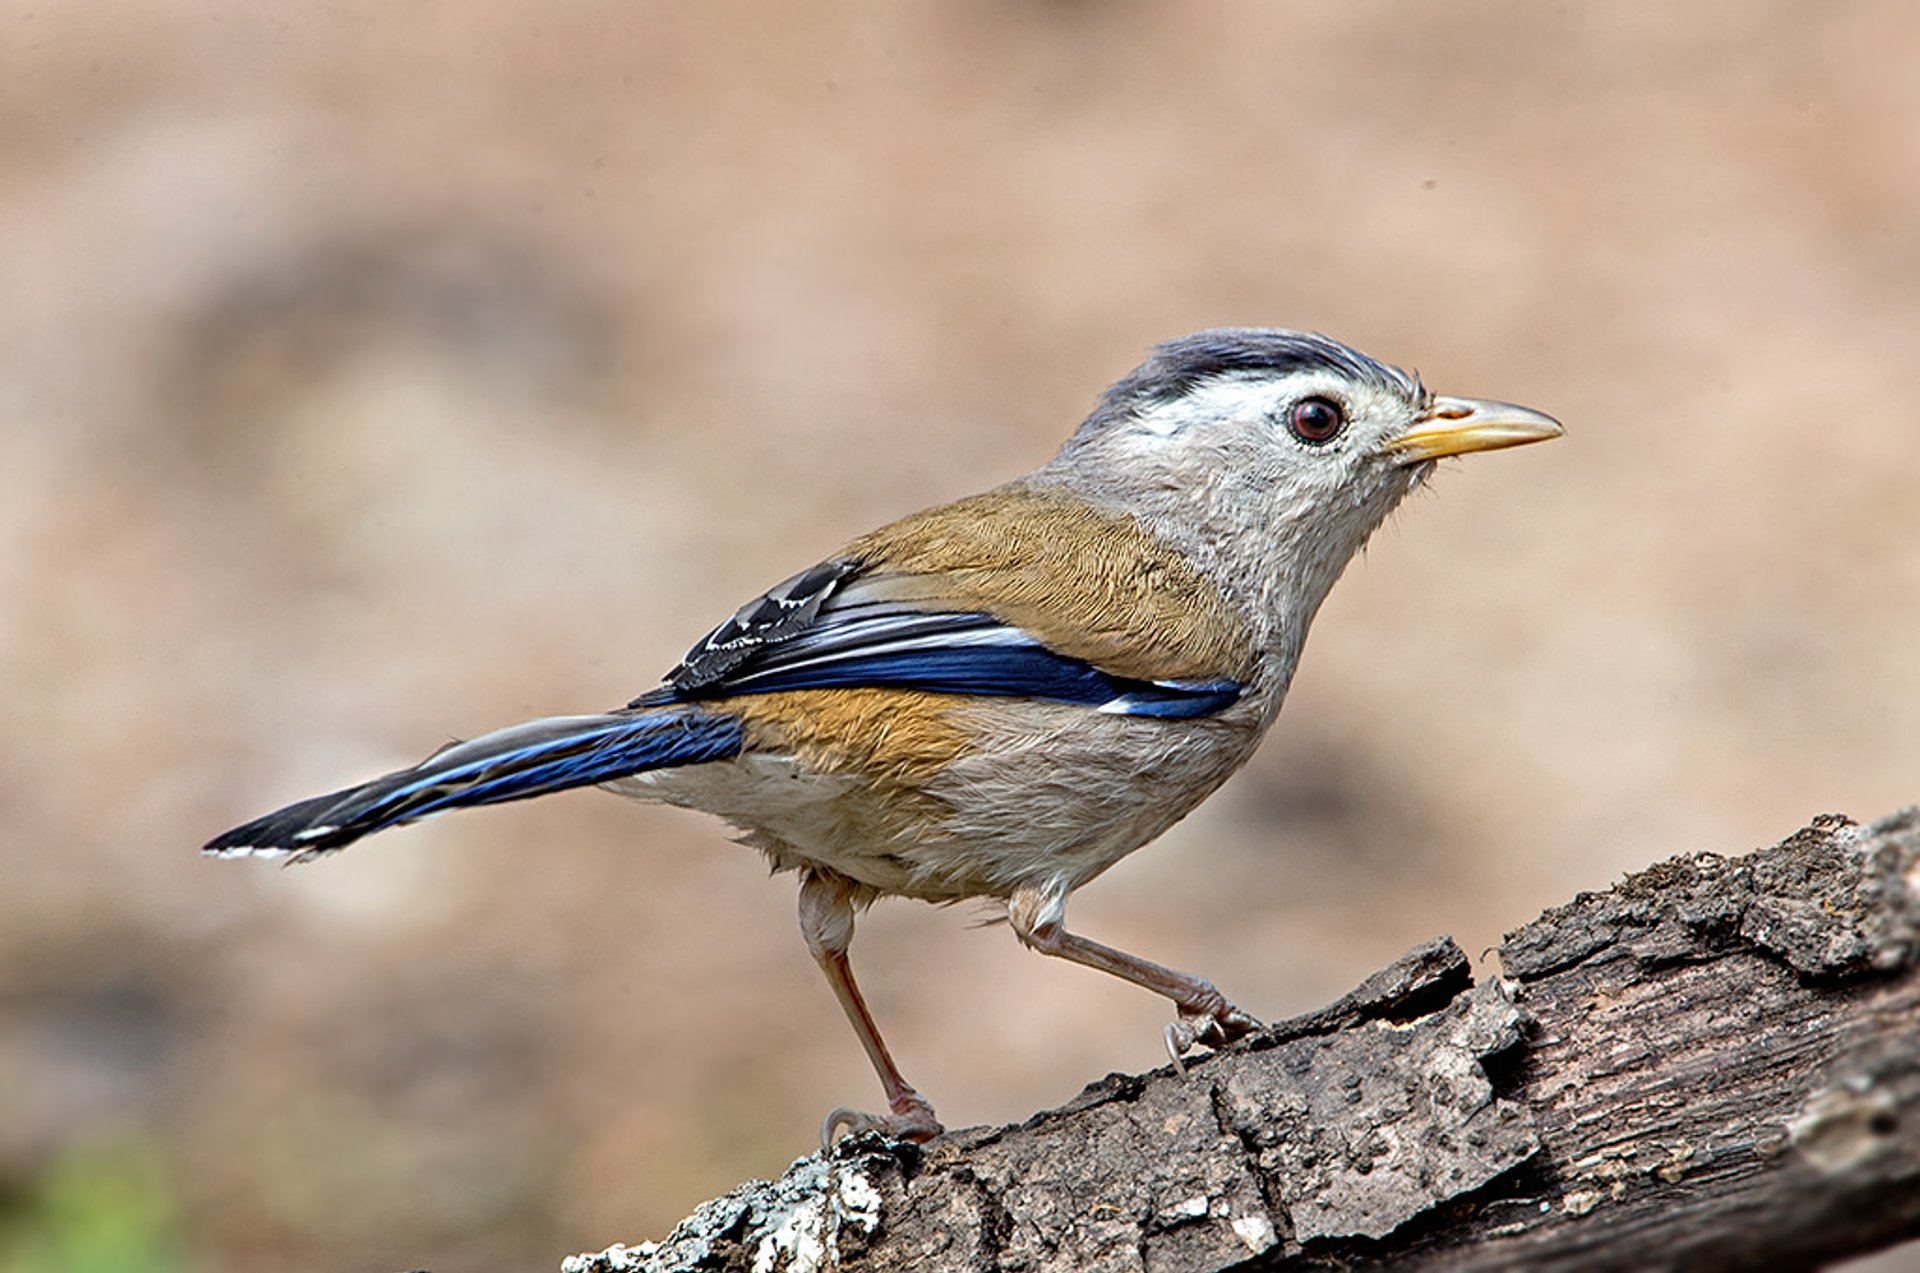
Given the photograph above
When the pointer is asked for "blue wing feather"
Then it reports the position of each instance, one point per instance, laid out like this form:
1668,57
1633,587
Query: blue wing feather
856,643
819,630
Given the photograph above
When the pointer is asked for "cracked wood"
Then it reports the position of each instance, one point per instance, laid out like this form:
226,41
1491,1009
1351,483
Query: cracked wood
1710,1065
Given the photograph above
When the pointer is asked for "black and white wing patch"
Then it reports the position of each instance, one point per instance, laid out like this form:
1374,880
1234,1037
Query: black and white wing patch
778,614
827,629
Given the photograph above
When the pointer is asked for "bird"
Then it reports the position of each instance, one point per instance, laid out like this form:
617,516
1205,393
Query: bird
998,698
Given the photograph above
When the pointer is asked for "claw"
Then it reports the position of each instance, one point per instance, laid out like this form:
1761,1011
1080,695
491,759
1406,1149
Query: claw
912,1119
1215,1028
851,1121
1226,1025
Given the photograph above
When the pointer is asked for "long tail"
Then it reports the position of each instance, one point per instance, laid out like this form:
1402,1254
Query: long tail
515,763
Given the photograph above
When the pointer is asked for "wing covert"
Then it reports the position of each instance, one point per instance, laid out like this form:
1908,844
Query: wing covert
832,628
779,614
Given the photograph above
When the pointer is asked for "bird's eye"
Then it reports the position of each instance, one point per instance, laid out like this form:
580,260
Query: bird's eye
1316,420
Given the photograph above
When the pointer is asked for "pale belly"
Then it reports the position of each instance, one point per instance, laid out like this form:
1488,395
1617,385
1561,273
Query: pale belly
1050,796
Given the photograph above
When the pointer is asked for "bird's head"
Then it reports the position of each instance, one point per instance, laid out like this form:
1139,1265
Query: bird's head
1275,451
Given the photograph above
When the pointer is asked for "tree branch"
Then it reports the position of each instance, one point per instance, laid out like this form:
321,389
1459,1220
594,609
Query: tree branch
1713,1064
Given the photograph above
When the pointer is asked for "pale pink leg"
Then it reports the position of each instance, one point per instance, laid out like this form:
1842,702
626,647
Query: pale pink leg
1039,920
826,921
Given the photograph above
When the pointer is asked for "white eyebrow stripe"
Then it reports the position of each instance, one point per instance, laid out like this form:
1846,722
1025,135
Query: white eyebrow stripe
1234,396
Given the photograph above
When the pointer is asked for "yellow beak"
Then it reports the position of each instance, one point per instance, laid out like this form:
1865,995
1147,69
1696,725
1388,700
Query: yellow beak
1456,426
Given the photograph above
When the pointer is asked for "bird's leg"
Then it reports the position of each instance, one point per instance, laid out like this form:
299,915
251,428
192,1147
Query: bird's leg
1039,920
826,921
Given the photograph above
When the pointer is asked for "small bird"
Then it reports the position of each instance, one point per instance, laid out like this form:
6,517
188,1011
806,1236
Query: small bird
1000,697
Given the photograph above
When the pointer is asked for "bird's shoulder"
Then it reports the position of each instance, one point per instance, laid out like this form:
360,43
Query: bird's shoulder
1089,581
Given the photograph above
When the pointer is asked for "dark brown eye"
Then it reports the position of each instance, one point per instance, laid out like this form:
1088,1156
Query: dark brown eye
1316,420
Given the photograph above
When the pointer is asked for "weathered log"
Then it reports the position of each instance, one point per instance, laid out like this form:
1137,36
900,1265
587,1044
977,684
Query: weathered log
1713,1065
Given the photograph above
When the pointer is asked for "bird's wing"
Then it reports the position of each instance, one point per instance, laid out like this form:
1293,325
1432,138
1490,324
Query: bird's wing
830,629
999,595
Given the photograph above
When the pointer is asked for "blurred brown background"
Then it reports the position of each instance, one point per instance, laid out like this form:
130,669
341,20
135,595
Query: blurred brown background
375,374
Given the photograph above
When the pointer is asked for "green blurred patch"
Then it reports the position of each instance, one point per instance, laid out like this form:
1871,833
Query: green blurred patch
102,1207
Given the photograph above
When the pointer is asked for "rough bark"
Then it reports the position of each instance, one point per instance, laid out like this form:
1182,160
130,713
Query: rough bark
1713,1065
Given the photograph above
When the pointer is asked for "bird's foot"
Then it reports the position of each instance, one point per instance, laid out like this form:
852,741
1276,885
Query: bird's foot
911,1118
1214,1025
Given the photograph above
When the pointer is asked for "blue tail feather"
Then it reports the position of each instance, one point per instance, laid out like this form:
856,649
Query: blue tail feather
515,763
